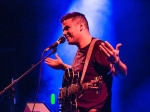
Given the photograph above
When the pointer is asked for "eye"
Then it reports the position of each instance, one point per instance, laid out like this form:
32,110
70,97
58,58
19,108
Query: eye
66,28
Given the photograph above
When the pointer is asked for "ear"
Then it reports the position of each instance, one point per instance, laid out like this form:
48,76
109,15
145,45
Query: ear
81,26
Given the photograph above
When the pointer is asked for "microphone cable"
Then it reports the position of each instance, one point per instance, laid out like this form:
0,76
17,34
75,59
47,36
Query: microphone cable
39,81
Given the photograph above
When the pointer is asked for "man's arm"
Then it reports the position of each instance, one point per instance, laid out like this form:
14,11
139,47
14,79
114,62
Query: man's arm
56,63
65,66
117,67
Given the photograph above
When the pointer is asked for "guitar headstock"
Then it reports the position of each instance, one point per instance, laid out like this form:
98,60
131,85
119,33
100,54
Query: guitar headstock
94,84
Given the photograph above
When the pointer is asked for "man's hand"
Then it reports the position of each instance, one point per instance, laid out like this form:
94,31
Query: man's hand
111,54
54,63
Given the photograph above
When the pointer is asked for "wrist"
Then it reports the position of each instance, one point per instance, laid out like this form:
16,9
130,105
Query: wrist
65,66
62,66
117,63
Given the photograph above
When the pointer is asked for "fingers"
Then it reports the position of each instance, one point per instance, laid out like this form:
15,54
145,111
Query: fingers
109,46
57,56
105,50
118,45
48,60
51,60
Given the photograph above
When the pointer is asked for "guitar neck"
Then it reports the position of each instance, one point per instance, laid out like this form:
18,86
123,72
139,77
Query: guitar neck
73,89
76,88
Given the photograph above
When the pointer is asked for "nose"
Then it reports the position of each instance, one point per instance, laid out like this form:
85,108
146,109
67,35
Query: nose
64,33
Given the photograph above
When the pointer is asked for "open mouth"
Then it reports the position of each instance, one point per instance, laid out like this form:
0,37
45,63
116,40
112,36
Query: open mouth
67,37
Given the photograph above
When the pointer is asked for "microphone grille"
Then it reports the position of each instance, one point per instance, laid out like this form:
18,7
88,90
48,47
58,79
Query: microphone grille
62,39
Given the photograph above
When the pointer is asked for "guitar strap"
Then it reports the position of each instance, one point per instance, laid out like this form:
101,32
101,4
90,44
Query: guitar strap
88,55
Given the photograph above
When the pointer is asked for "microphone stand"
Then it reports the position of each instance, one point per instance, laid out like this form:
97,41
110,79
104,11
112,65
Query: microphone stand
24,74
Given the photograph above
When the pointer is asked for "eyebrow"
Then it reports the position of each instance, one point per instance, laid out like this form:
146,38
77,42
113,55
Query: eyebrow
65,28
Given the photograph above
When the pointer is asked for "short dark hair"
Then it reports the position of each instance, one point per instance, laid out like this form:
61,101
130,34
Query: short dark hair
74,16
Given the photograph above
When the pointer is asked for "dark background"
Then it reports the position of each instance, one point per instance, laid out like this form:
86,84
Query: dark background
23,23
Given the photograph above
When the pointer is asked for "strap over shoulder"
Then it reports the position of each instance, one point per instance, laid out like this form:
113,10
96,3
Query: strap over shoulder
88,55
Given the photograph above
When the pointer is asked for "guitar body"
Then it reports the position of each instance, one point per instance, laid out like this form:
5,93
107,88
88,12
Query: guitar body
67,103
71,87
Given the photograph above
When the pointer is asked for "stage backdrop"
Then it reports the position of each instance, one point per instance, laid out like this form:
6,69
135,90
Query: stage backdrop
28,27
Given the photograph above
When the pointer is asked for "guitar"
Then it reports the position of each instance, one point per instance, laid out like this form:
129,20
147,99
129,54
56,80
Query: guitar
71,87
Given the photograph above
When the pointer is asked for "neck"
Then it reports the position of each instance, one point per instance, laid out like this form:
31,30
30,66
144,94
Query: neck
84,41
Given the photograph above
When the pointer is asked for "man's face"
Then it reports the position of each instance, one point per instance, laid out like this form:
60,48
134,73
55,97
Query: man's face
71,31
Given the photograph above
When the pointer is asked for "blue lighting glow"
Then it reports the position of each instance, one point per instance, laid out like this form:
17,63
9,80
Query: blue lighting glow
29,26
98,14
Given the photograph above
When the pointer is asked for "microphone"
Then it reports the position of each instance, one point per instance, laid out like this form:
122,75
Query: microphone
59,41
